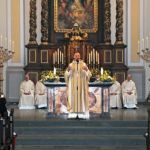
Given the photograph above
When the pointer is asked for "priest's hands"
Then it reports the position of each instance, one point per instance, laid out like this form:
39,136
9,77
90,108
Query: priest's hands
27,93
85,68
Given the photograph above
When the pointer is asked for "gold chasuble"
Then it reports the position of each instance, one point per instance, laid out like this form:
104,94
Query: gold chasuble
77,79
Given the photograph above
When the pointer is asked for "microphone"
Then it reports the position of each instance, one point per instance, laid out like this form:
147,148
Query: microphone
77,61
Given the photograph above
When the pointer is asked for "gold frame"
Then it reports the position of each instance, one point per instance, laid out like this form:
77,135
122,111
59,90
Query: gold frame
29,56
42,62
94,29
105,56
121,50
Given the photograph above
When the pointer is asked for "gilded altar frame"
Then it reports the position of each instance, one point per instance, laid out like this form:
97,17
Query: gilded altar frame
66,13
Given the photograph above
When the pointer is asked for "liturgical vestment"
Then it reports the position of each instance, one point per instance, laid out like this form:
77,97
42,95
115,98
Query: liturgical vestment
40,95
26,100
77,86
129,100
115,90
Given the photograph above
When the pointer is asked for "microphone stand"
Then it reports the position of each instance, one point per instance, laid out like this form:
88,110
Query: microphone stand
77,117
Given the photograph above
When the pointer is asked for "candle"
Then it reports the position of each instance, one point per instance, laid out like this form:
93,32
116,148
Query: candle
89,58
143,44
54,58
54,71
6,45
138,46
98,58
1,41
62,58
13,46
58,55
93,56
102,71
147,42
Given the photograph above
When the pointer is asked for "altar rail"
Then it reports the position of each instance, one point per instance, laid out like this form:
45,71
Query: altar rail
103,94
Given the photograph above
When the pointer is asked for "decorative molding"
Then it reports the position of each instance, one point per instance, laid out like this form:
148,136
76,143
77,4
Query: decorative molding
32,55
44,56
119,56
107,57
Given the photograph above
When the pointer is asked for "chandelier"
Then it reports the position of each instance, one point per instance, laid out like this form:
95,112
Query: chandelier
6,53
144,53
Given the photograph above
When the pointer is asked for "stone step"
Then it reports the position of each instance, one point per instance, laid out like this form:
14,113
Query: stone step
76,147
47,147
80,130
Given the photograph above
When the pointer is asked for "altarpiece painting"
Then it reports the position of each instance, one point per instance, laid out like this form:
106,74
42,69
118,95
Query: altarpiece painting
69,12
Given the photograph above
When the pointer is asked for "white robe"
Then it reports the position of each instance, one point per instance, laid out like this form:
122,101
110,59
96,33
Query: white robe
77,82
129,101
115,90
26,101
40,95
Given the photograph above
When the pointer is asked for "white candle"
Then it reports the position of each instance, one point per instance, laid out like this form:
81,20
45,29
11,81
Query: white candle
1,43
138,46
6,44
143,44
13,46
98,58
54,58
58,55
147,42
102,71
89,58
54,71
62,58
93,56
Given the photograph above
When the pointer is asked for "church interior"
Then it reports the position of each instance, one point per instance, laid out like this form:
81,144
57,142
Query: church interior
40,37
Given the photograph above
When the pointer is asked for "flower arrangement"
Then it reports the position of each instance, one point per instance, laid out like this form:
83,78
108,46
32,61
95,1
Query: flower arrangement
106,77
49,76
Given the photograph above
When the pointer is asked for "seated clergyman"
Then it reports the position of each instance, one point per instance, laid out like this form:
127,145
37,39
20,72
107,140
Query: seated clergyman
129,93
27,94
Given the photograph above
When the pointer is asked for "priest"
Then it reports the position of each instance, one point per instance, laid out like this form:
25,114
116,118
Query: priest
129,93
77,77
26,94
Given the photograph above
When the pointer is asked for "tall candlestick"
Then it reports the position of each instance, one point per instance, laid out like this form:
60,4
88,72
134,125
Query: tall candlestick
98,58
143,44
13,46
93,56
1,43
6,44
62,58
54,58
147,42
89,58
58,55
138,46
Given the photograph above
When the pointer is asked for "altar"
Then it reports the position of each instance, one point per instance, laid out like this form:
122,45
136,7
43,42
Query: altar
98,98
